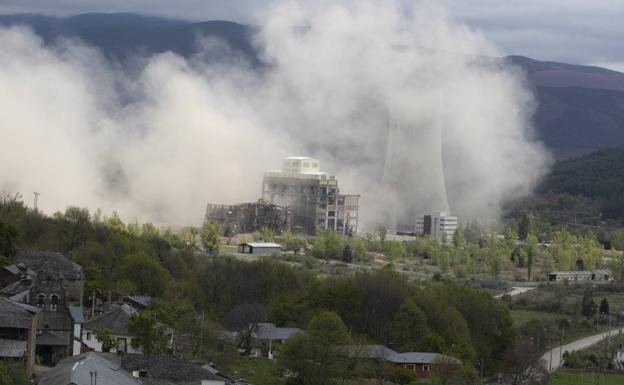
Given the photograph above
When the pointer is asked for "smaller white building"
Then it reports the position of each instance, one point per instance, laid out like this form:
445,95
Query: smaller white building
260,248
115,321
439,225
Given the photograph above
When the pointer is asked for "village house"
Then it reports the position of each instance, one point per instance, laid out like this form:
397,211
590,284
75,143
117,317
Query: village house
420,363
18,328
114,320
265,335
53,284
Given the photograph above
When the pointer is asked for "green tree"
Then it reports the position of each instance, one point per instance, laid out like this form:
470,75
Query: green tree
458,238
531,253
328,328
382,231
588,305
525,226
106,338
149,335
8,239
145,272
347,254
210,238
604,307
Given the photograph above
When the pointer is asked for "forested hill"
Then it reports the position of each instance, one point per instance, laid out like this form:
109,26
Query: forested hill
598,176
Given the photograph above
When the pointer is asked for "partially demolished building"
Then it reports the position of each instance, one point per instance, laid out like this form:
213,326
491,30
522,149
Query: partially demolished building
313,196
250,217
299,198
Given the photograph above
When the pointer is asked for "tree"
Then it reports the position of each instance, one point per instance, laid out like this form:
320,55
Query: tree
328,328
523,364
145,272
604,307
580,264
588,306
106,338
347,254
458,238
210,238
531,253
8,239
524,227
449,371
312,356
382,231
149,335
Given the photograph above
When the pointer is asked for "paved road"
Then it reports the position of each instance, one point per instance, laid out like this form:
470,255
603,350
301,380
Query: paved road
583,343
515,291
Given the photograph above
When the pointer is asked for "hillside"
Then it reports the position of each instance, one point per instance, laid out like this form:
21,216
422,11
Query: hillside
580,108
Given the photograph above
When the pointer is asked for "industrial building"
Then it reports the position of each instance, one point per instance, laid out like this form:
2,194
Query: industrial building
596,275
260,248
250,217
437,225
312,195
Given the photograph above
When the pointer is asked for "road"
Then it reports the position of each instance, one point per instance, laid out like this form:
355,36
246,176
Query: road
583,343
515,291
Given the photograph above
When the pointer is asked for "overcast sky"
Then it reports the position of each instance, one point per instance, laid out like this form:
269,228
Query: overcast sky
575,31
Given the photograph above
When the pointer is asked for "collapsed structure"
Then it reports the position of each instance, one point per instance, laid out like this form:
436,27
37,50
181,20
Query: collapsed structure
313,195
299,197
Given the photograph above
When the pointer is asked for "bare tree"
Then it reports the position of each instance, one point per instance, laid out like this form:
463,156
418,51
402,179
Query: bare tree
523,364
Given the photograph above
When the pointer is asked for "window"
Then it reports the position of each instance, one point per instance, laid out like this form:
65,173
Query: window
41,301
88,336
54,302
425,368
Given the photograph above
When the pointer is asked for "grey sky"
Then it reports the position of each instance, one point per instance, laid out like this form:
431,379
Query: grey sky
575,31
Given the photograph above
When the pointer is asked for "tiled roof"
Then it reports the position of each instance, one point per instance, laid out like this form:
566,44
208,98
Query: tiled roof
268,331
366,351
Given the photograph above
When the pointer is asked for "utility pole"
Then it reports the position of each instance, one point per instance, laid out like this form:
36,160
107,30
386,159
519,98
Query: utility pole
36,199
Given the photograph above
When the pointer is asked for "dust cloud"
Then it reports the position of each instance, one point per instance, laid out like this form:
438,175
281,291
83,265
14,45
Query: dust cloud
406,106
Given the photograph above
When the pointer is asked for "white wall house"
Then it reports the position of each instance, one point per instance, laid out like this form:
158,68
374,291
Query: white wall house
115,321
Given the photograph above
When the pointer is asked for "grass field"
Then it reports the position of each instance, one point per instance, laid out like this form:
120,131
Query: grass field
256,371
585,378
520,317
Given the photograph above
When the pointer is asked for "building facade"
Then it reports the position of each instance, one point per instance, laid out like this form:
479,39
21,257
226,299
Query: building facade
312,195
438,226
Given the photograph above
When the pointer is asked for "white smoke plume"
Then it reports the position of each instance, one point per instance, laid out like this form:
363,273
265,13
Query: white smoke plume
405,106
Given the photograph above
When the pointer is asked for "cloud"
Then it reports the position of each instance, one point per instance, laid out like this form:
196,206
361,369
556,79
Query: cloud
575,31
398,104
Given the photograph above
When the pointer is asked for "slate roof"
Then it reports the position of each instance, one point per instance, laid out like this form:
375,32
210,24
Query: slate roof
77,314
36,260
114,320
167,370
16,315
268,331
141,300
77,370
366,351
418,358
54,338
12,348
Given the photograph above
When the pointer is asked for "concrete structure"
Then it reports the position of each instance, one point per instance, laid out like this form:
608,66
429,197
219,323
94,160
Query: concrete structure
18,328
582,276
250,217
312,195
437,225
259,248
